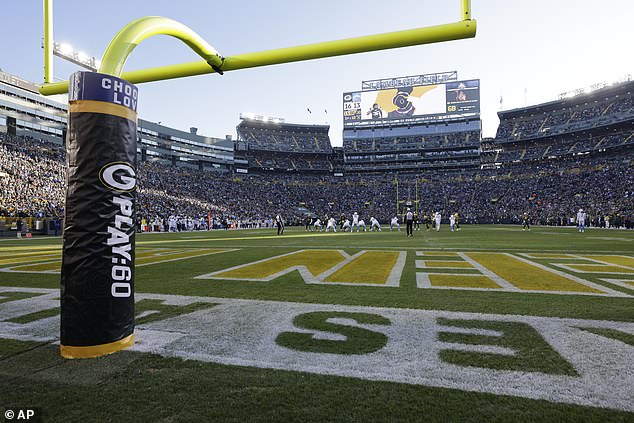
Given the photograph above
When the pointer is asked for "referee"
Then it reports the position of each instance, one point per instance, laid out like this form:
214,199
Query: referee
409,222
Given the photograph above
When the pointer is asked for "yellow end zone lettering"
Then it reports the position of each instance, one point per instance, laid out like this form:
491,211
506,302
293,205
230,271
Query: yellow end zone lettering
38,262
323,267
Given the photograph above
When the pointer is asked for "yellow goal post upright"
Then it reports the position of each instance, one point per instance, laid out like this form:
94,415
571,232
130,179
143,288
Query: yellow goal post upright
98,258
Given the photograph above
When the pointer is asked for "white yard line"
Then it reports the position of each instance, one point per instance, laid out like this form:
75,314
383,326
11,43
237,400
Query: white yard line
571,277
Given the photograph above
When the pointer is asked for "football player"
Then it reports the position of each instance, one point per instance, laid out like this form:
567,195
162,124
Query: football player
394,222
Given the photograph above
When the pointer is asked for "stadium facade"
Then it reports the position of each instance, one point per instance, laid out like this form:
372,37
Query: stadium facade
24,112
444,135
412,124
418,147
547,160
271,145
600,122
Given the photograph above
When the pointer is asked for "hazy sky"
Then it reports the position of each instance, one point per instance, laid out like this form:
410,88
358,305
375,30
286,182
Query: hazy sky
525,52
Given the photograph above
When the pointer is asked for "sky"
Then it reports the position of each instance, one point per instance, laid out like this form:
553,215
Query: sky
525,52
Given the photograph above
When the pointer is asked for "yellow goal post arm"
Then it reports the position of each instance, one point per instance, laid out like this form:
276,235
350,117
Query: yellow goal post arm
135,32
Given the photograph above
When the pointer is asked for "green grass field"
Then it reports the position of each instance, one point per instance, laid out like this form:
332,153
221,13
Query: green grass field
486,324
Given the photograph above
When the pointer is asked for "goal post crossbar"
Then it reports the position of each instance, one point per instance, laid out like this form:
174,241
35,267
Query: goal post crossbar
132,34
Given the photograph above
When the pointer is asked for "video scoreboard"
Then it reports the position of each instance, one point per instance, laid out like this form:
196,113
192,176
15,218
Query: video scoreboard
414,103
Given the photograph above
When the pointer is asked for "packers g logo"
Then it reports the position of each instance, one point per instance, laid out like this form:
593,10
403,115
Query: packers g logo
118,176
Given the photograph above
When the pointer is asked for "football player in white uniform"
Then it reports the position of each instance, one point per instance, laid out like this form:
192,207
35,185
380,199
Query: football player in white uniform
394,222
581,220
374,224
360,225
355,221
172,223
332,223
438,218
317,225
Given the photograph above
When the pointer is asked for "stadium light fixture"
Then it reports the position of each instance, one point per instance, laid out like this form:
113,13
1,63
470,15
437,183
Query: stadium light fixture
65,48
131,35
67,52
261,118
83,57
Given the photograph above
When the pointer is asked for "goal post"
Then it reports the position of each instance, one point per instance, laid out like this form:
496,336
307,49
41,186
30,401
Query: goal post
118,50
98,259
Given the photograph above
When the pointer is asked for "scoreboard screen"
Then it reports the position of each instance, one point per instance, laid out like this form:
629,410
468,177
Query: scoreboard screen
413,103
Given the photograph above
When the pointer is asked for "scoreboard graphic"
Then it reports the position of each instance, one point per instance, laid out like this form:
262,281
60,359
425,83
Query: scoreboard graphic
412,103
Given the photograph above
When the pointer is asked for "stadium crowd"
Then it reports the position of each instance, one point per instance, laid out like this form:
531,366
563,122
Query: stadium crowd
561,118
412,143
32,176
275,161
569,144
285,137
286,147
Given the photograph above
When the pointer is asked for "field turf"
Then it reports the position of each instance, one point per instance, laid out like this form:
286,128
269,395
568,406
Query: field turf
490,323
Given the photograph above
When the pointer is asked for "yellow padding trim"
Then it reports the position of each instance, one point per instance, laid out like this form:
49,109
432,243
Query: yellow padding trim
92,106
96,350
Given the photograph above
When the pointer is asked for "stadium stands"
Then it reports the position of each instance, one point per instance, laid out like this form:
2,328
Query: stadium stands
275,146
290,138
587,123
600,108
565,145
413,148
549,191
547,160
32,177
